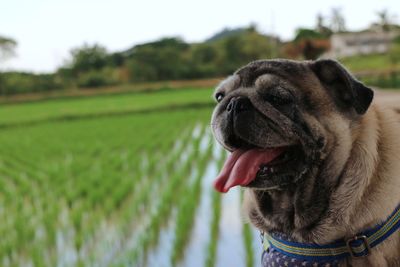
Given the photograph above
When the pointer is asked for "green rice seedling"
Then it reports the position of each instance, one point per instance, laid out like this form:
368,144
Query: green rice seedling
90,170
214,229
247,240
37,257
216,203
149,235
18,114
187,206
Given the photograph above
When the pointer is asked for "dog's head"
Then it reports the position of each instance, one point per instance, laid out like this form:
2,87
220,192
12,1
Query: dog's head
284,122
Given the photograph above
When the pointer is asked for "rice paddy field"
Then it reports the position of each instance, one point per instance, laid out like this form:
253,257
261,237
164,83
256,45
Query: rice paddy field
117,180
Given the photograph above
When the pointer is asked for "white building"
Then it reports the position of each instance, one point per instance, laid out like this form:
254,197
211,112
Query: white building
360,43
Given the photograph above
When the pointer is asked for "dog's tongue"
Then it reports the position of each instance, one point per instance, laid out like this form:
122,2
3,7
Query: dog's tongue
242,166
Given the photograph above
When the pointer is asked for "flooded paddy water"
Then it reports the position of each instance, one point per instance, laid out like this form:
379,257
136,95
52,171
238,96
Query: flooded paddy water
122,191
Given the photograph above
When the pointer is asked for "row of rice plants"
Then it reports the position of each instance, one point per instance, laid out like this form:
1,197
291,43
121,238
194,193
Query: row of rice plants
133,212
186,209
215,219
116,205
147,235
64,108
76,167
248,241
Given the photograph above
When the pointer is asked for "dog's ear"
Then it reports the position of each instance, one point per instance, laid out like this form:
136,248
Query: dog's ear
343,87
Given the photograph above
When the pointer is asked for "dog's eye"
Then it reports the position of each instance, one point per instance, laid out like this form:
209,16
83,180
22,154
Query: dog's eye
219,96
279,98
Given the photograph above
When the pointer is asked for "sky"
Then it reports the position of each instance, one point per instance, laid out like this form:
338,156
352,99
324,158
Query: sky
46,30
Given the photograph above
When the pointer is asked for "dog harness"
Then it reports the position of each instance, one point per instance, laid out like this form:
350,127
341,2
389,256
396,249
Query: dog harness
279,250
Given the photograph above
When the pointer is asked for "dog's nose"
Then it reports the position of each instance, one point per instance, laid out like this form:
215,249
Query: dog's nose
238,104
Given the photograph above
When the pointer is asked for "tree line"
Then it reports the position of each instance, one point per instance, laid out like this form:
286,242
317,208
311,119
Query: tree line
92,66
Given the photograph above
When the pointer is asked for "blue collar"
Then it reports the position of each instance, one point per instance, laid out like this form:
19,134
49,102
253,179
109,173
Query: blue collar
358,246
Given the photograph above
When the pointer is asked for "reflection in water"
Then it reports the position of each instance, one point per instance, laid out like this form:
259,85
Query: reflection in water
65,249
160,256
257,246
195,253
109,244
230,247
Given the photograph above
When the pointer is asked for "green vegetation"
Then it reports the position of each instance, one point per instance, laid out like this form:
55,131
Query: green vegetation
186,211
381,70
372,62
100,188
216,215
22,82
247,239
69,108
81,168
7,47
214,227
91,66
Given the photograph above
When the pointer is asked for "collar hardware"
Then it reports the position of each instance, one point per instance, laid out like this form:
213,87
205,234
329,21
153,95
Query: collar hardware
365,252
356,247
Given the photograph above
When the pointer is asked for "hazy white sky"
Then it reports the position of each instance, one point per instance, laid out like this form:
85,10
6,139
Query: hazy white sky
46,30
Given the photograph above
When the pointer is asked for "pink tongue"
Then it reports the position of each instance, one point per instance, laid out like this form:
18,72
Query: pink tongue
242,166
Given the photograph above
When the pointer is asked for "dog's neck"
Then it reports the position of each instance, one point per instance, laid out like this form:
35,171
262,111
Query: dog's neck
357,204
322,212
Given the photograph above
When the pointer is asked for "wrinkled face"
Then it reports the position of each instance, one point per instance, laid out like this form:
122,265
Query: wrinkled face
267,115
290,127
276,116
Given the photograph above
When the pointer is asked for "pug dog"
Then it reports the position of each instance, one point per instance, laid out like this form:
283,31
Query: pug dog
318,158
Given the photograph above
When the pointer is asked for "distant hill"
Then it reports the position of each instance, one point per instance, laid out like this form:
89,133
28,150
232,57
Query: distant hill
226,33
